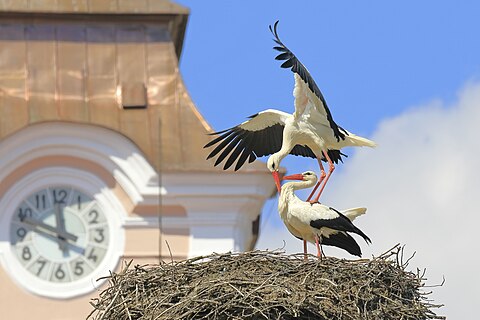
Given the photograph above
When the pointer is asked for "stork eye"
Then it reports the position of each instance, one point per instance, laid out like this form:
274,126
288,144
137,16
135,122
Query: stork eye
308,174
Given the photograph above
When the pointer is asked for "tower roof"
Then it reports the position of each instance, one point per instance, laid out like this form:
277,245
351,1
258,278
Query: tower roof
104,10
94,6
79,61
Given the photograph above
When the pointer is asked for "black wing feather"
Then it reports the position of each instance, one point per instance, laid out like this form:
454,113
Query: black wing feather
252,144
297,67
341,223
282,49
243,157
241,147
235,154
226,151
214,141
222,145
246,144
343,241
335,156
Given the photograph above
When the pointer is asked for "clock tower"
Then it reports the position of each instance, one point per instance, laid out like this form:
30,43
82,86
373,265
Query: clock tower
101,157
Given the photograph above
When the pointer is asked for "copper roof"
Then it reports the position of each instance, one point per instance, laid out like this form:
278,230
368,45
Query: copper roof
130,11
93,6
84,70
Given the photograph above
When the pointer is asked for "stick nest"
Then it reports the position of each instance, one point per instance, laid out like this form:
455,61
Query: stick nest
267,285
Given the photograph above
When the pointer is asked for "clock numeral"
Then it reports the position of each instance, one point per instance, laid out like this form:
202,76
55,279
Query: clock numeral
26,254
78,269
60,196
42,265
92,256
56,257
94,217
59,273
100,236
24,212
40,200
21,232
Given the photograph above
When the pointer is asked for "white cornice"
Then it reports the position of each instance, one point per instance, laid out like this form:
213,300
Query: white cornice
126,163
109,149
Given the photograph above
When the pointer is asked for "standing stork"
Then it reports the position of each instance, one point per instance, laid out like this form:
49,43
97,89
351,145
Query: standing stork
310,131
317,223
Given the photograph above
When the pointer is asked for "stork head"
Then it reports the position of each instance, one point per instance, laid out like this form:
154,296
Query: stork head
273,164
309,176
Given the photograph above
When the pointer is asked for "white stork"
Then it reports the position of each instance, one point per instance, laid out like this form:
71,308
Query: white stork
317,223
310,131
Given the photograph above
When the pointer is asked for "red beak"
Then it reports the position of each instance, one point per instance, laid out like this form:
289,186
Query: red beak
277,180
297,176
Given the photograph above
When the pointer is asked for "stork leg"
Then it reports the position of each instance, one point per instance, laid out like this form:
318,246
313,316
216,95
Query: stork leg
322,176
330,171
317,244
305,257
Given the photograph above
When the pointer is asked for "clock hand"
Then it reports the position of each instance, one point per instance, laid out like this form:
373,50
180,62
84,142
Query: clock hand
39,224
60,222
73,247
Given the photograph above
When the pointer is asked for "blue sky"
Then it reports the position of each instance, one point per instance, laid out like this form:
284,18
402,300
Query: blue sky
405,74
371,62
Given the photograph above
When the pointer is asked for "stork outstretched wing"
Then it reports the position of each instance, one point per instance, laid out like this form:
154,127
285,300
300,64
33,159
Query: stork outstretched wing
259,136
306,89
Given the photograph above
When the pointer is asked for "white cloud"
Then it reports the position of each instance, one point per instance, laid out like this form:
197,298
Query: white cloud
421,186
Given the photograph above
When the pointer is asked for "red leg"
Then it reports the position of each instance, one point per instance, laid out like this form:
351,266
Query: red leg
330,171
322,176
319,250
305,257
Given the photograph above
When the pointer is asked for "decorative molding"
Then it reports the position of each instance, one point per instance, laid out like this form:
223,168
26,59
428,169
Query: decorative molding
109,149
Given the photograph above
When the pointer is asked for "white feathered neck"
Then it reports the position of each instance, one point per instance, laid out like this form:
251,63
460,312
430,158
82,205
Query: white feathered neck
287,194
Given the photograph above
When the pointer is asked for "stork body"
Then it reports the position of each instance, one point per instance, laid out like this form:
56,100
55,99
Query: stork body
317,223
310,131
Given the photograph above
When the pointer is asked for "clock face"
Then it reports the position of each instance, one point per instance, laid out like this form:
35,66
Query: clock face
59,234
